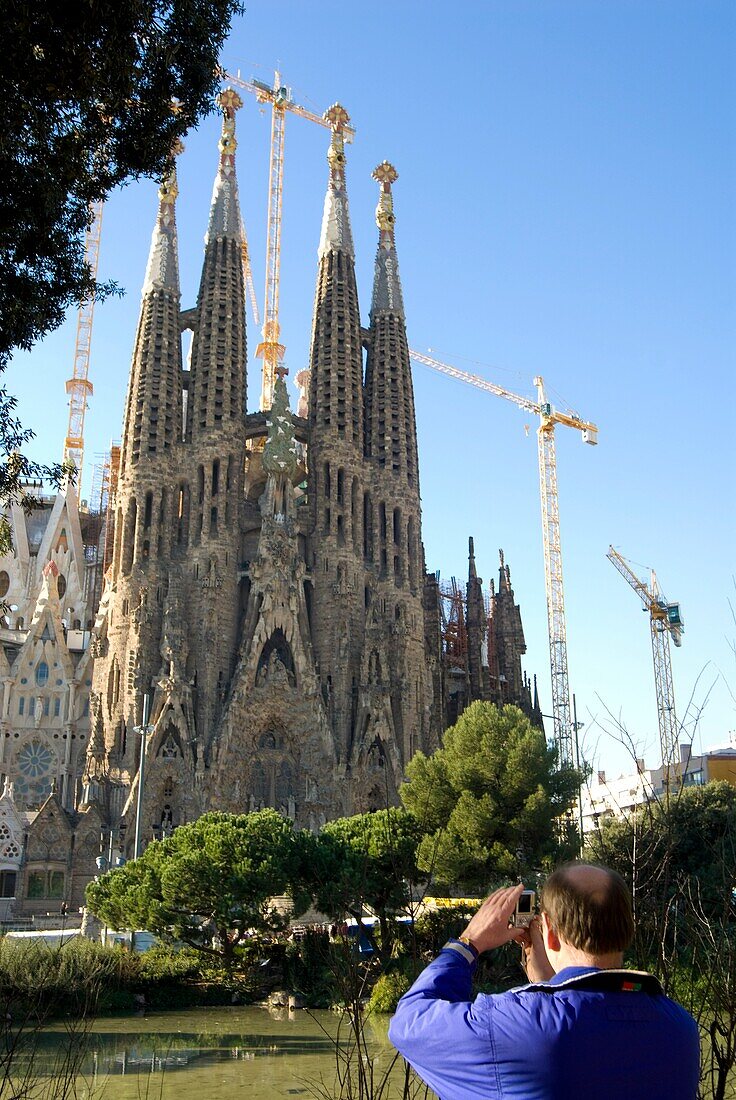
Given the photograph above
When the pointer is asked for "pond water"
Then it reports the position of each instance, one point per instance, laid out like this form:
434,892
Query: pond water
211,1053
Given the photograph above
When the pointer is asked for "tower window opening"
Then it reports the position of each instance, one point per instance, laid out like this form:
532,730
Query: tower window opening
341,486
397,526
215,477
367,527
148,511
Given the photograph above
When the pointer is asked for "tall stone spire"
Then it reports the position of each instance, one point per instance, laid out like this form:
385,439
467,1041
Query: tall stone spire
476,627
217,386
336,382
154,407
336,232
336,482
215,440
386,285
391,438
508,644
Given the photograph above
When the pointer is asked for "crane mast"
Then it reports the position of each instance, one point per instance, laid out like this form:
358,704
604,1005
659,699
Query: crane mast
270,349
665,621
79,386
554,587
549,417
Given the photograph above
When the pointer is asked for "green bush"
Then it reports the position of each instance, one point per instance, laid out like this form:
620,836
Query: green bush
388,991
68,978
167,964
435,927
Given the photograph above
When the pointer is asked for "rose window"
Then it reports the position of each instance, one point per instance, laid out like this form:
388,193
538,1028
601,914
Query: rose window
35,764
35,759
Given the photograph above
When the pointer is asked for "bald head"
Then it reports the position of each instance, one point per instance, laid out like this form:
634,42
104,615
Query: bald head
589,907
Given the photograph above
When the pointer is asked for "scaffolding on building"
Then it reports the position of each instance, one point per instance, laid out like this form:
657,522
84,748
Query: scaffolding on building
99,533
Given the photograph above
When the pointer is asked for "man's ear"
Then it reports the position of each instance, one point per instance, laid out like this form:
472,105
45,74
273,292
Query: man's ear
551,939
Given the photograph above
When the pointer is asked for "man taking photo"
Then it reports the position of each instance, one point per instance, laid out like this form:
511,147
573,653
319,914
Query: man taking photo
583,1027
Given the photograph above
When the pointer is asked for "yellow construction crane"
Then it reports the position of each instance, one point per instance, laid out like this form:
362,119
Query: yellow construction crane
271,350
79,386
665,622
549,417
248,273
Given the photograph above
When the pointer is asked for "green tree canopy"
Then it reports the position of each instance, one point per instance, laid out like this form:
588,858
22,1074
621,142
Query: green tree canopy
212,878
679,855
684,845
489,799
368,859
87,89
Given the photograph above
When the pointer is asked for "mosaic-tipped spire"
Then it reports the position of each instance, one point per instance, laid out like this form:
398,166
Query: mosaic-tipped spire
336,233
225,209
217,387
162,272
154,406
336,357
391,436
387,296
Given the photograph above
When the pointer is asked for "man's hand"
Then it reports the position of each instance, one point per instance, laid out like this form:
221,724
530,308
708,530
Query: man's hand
489,927
535,962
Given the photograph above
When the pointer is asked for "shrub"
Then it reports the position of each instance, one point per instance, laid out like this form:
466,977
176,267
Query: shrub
388,991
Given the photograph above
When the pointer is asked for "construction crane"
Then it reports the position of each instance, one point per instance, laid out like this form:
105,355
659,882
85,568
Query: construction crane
79,386
248,273
549,417
271,350
665,622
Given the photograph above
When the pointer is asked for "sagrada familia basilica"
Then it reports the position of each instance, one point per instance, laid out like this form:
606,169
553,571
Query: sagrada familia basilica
267,634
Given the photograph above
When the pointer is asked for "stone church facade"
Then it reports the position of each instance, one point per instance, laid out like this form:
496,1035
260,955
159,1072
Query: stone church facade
267,594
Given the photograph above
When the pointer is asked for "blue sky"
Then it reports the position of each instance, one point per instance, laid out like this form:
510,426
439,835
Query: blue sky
564,207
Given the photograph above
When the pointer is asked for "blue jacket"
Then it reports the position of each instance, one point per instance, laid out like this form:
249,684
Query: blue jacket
534,1045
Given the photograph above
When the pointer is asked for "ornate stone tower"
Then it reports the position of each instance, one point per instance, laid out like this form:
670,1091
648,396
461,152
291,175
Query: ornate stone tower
395,701
338,496
128,631
215,446
168,621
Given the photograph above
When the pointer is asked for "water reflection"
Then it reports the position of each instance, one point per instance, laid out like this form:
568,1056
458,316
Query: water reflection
205,1053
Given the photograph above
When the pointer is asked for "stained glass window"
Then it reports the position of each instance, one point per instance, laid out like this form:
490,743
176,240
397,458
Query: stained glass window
32,785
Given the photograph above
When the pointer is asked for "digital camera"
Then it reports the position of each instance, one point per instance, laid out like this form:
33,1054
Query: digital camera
525,909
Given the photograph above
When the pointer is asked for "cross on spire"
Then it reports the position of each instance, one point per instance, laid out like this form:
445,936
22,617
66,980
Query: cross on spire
385,174
338,118
229,102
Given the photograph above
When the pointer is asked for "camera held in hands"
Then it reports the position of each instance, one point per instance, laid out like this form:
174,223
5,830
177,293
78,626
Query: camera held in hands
525,909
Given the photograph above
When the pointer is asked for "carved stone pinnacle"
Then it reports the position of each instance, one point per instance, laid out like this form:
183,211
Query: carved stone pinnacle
385,173
229,101
337,116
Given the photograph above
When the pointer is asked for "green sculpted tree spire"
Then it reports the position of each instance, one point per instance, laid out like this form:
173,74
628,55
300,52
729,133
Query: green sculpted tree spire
279,451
